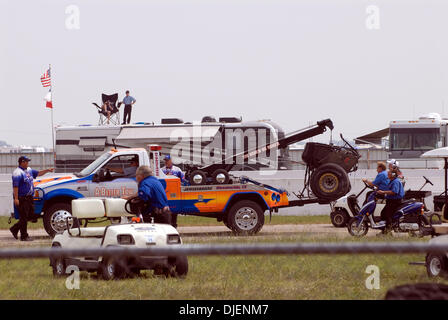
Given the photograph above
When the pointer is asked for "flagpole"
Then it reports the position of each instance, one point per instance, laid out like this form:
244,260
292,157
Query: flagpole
52,122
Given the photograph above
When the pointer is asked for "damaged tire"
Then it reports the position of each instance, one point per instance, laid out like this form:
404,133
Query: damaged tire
329,182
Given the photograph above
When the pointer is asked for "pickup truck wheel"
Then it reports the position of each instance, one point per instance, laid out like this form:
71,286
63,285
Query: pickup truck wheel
55,218
339,218
329,182
245,217
58,263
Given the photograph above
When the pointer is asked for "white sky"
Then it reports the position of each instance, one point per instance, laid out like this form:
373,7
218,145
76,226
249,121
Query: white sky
295,62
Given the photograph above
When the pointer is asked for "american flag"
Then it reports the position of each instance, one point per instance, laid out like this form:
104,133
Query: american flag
46,79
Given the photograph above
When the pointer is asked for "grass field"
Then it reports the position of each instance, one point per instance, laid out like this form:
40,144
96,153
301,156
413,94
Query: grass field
230,277
202,221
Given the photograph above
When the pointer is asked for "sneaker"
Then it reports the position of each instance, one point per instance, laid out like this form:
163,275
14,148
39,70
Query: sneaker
26,239
14,233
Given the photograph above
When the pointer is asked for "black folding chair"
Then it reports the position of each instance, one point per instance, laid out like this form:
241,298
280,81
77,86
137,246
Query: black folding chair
115,112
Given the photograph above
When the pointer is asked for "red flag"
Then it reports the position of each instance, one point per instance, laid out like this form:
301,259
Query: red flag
47,98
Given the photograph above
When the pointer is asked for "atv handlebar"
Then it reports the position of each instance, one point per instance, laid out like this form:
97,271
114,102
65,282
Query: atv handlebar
428,181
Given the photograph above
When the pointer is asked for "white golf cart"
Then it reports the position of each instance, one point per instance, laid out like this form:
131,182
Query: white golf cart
121,234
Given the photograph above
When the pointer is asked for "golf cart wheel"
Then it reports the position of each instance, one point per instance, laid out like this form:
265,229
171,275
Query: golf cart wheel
180,269
133,273
55,218
339,218
197,178
329,182
112,269
220,176
245,217
58,263
356,228
436,265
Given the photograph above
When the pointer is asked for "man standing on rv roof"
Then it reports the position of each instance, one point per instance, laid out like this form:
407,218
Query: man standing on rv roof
128,101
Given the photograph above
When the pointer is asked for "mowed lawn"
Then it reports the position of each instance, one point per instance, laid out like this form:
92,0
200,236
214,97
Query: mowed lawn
230,277
201,221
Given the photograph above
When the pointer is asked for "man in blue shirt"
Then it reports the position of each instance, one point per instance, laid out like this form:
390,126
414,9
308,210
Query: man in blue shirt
381,181
394,196
128,101
151,190
171,169
23,190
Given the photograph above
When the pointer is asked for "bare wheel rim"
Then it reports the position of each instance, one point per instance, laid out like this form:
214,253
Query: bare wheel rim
59,266
435,266
246,218
58,220
328,182
110,268
338,218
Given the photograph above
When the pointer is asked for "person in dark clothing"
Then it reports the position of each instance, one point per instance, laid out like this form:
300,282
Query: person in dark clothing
151,190
23,190
128,101
394,196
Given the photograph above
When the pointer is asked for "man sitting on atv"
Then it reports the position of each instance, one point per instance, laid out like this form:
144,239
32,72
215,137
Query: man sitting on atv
381,181
394,196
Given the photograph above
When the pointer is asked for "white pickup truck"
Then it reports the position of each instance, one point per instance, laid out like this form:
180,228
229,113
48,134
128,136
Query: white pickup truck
102,178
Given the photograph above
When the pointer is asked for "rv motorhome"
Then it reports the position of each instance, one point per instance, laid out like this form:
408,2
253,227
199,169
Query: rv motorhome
77,146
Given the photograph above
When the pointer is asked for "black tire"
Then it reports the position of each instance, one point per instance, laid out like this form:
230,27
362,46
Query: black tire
220,172
329,182
203,178
436,265
112,269
339,218
133,273
58,264
226,222
54,222
356,229
180,269
418,291
245,217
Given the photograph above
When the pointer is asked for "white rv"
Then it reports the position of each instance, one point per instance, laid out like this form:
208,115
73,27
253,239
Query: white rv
407,140
77,146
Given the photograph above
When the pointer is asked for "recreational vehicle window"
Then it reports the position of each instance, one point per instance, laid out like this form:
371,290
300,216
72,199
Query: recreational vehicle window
414,139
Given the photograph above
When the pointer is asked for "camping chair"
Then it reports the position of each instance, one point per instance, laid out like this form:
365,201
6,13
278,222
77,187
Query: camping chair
115,114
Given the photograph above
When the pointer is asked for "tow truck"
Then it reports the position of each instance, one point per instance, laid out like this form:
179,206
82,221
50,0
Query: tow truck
239,202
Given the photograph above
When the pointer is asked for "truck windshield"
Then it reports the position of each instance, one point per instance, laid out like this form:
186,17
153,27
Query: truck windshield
414,139
94,165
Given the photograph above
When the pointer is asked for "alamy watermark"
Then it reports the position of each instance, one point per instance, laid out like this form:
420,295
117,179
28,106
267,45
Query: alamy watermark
373,280
204,145
73,281
72,20
372,21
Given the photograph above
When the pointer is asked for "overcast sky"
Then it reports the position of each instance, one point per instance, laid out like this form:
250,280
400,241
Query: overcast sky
295,62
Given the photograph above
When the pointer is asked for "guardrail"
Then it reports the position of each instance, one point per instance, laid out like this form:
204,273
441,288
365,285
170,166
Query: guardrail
231,249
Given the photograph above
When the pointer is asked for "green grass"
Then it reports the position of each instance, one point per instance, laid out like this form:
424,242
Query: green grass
201,221
230,277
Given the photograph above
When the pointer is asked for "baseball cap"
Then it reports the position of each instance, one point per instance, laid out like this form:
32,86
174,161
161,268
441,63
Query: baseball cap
24,158
393,162
167,157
